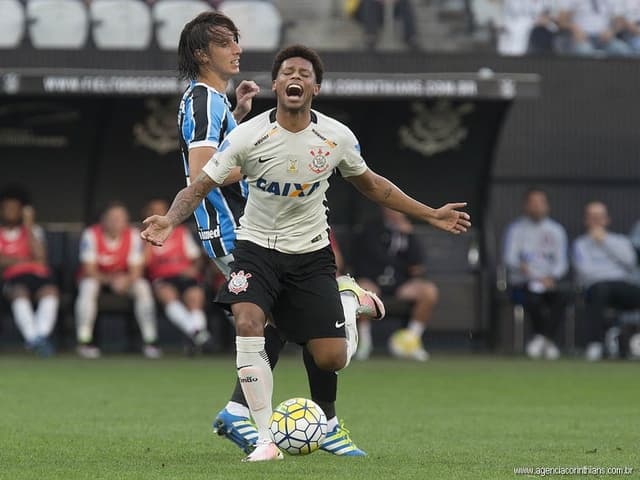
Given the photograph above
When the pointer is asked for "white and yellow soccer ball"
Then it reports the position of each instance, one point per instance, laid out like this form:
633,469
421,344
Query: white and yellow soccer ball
298,426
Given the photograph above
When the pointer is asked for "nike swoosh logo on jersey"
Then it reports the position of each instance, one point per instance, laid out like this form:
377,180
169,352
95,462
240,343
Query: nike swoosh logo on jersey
262,160
340,324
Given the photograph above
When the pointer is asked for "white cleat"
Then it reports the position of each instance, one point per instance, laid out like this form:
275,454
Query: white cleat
594,352
535,348
370,306
88,351
551,351
265,451
151,351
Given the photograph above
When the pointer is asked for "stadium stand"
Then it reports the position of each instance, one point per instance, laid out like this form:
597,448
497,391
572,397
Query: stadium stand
259,22
169,17
11,23
57,24
120,24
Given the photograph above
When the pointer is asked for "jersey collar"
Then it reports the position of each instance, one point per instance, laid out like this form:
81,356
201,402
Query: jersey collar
272,116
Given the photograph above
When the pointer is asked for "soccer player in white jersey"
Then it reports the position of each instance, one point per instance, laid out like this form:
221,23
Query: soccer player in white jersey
209,56
283,260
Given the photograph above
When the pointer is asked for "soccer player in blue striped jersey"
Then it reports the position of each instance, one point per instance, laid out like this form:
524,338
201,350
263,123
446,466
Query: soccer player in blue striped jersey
209,56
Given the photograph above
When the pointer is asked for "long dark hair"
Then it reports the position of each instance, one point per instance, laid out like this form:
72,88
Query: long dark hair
196,35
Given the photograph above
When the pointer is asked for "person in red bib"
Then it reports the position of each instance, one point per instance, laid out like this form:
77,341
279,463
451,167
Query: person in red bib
174,270
112,258
25,275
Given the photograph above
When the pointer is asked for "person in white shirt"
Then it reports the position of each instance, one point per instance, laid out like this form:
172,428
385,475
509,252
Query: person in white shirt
283,260
588,29
527,27
535,254
606,266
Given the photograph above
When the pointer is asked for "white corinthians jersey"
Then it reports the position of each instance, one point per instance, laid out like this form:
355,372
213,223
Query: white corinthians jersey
288,176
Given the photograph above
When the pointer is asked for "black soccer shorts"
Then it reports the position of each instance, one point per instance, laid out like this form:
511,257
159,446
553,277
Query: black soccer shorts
300,290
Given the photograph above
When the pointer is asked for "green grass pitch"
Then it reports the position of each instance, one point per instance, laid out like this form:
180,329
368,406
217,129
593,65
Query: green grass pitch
454,417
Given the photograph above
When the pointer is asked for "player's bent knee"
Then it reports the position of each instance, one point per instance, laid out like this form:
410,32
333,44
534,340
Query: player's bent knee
431,292
17,291
249,320
165,293
194,298
329,354
332,363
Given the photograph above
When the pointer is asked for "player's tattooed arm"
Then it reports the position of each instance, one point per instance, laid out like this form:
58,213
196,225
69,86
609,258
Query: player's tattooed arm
159,227
188,199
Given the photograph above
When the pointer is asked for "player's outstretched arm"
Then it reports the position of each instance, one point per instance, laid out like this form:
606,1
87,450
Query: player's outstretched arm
380,190
159,227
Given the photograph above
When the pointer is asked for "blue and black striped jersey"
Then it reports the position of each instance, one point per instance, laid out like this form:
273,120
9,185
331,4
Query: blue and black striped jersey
204,119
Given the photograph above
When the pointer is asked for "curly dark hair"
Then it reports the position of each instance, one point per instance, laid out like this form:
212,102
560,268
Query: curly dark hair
302,52
196,35
17,192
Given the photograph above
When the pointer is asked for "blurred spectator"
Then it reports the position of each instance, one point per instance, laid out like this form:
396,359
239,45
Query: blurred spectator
174,271
535,254
111,257
586,28
25,273
388,260
371,14
627,24
605,265
527,27
634,236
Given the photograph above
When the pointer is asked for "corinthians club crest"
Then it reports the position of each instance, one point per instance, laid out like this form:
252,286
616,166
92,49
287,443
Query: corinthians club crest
319,163
436,129
239,282
158,131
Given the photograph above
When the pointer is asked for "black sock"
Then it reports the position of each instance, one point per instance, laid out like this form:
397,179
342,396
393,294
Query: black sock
273,346
323,385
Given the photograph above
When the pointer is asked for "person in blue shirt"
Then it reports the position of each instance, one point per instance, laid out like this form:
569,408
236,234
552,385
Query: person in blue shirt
535,254
606,266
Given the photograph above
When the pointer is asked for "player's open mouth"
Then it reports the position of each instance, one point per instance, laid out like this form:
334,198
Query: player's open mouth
294,90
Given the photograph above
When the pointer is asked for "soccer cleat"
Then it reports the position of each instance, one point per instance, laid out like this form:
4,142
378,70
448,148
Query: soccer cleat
42,347
201,337
404,343
265,451
151,351
535,348
240,430
551,351
89,351
594,352
338,442
371,307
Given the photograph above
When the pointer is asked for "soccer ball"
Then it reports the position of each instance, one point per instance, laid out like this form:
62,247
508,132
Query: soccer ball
298,426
